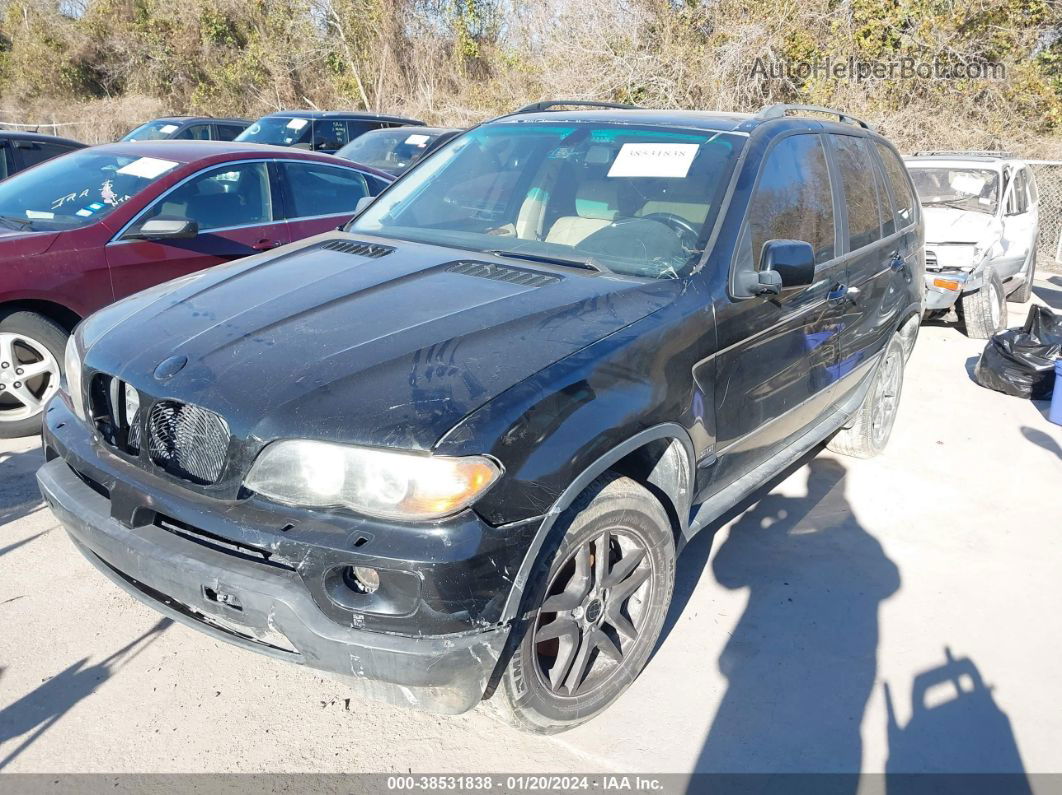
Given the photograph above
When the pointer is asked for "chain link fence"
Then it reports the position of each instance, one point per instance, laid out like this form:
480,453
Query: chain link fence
1048,175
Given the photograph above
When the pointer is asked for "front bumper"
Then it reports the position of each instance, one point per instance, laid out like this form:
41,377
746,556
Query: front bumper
263,605
943,288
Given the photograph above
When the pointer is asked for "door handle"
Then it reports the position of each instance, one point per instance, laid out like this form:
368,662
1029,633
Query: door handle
896,262
265,244
837,292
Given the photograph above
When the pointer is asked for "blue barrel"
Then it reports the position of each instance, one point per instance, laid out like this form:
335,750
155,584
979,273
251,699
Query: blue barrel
1055,414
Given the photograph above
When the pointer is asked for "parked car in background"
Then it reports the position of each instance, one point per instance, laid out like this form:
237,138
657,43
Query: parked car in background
20,150
318,130
982,226
460,443
187,128
395,149
78,232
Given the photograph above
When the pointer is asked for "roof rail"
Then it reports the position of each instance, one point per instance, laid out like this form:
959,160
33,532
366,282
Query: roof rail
780,109
966,153
538,107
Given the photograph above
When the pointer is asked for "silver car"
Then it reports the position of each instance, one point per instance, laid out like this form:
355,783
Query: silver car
982,224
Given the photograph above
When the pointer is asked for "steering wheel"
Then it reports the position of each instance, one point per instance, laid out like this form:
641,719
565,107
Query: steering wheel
687,231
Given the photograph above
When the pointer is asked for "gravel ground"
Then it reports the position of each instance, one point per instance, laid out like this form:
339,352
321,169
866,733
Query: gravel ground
813,632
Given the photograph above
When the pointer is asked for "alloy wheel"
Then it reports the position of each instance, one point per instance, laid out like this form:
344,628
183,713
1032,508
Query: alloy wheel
29,375
886,396
591,617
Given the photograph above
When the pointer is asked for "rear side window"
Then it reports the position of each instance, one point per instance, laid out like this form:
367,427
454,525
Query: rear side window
1019,198
194,132
227,132
35,153
1034,194
793,199
329,134
901,189
857,179
316,190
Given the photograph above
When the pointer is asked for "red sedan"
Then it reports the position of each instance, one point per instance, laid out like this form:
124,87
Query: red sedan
93,226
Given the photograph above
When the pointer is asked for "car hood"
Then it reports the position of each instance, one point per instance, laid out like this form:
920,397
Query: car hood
25,243
394,350
949,225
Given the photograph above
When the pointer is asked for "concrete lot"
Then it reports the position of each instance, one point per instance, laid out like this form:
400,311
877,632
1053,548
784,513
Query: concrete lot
794,627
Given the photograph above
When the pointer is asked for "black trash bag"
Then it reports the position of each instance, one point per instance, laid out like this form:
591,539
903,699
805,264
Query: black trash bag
1021,362
1044,324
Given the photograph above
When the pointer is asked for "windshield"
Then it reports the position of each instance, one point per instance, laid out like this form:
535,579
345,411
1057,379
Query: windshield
392,151
152,131
634,200
278,130
975,189
76,189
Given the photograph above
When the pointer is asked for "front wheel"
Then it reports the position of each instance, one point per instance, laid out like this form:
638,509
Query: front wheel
984,311
872,424
31,350
600,595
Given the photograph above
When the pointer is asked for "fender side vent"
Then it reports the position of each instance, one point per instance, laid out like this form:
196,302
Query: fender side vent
502,273
358,247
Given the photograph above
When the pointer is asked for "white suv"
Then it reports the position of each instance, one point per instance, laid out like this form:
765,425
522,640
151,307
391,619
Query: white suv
982,223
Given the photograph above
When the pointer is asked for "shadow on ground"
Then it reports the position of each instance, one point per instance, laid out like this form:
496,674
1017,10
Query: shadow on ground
1041,439
1049,291
802,659
37,711
955,728
19,495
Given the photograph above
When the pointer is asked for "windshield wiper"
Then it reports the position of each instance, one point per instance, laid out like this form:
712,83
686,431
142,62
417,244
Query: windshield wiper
15,222
585,264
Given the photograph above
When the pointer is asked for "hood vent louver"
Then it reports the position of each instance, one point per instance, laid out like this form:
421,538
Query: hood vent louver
502,273
362,249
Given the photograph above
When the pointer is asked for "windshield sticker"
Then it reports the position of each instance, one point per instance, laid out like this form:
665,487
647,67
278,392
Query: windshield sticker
84,212
109,196
417,140
297,124
167,128
41,214
146,167
95,206
653,160
69,197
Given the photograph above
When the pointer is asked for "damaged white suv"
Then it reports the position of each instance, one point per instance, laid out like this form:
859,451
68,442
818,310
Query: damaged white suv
981,219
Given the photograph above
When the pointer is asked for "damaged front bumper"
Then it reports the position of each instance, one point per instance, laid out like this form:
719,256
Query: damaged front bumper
943,288
260,602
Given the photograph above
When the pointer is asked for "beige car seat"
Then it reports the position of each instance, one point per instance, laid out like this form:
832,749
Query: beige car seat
596,206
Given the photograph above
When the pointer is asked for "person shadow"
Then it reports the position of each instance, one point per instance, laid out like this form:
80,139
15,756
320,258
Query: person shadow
955,729
37,711
802,659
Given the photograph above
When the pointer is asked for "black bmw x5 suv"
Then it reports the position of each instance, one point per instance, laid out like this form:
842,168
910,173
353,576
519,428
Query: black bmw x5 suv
453,450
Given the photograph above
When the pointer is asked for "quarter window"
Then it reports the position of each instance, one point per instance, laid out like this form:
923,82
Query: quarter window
315,190
793,199
901,189
236,194
885,211
859,196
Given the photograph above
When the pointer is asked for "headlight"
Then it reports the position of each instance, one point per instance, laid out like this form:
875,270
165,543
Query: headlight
383,483
72,372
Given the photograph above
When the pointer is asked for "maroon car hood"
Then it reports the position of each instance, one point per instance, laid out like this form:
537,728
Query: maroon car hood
25,244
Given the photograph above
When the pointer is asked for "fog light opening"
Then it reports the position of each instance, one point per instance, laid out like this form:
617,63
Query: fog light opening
364,579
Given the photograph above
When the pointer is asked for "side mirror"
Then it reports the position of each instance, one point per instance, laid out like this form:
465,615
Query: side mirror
363,202
165,227
786,265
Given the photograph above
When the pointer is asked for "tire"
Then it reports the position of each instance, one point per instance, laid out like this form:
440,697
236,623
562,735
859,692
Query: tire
872,422
611,628
984,312
1024,293
38,342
